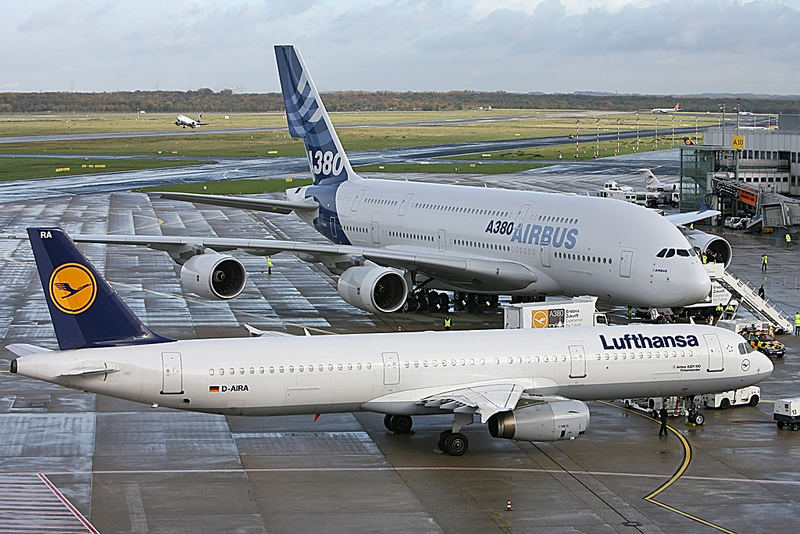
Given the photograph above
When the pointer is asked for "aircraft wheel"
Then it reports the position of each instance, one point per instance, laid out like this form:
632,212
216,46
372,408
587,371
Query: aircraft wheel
422,303
444,302
780,425
793,426
699,419
443,436
387,422
401,424
456,444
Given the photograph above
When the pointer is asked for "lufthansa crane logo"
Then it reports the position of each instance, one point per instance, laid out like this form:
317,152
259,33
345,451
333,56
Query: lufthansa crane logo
540,319
72,288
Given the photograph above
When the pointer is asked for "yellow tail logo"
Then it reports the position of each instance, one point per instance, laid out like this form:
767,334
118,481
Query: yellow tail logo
72,288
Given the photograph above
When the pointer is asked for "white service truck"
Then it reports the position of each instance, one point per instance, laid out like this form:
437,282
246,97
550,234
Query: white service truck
554,313
787,412
739,397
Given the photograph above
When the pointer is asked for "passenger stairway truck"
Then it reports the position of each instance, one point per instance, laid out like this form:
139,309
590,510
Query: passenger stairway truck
554,313
749,298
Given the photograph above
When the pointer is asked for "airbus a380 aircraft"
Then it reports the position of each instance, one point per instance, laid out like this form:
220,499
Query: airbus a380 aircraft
392,237
527,384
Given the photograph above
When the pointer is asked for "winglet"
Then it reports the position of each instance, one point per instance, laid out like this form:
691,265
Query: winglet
86,312
308,119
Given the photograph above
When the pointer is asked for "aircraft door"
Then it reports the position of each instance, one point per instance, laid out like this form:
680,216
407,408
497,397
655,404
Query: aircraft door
577,358
625,263
715,359
404,204
357,200
376,233
545,255
333,226
172,373
442,240
391,368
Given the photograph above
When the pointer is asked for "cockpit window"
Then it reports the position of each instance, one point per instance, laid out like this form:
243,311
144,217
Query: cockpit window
692,252
745,348
670,253
661,253
683,252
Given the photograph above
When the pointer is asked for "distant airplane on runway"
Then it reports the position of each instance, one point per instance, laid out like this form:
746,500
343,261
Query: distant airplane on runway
527,384
183,120
664,111
394,241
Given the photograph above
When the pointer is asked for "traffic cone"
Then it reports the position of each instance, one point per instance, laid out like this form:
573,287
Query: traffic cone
509,508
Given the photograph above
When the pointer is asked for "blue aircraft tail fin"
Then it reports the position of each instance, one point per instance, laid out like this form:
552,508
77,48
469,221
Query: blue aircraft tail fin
86,312
308,119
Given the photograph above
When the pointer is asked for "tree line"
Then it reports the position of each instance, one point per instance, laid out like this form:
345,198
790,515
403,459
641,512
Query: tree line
226,101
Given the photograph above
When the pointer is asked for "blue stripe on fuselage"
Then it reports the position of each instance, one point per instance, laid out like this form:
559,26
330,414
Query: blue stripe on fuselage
327,221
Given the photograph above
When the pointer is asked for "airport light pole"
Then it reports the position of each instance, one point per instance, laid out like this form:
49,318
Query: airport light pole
656,139
722,107
577,134
637,132
597,141
618,148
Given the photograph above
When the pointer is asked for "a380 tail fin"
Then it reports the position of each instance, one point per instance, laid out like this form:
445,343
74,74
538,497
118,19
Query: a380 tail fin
86,312
308,119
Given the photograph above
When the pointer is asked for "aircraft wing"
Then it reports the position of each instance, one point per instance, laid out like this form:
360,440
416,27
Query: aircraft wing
257,204
484,398
682,219
461,271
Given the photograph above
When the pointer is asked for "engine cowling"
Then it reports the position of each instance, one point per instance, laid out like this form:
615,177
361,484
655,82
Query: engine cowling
547,421
373,288
709,244
213,276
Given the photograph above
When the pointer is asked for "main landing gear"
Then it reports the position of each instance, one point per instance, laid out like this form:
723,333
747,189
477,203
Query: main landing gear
451,441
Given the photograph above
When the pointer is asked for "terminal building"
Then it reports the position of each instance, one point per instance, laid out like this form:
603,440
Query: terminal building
746,172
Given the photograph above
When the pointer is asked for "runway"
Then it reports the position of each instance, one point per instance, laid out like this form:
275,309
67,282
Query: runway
127,467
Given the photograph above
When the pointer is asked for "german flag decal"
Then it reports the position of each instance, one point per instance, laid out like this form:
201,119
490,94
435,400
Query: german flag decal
213,389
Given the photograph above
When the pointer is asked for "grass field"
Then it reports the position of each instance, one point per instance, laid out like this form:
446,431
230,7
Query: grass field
232,187
265,144
586,150
24,168
459,168
19,124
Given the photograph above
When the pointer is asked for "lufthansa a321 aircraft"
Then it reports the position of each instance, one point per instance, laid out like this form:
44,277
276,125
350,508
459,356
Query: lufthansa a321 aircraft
390,238
527,384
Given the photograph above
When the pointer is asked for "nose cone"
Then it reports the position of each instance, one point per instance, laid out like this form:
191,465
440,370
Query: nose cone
762,365
695,285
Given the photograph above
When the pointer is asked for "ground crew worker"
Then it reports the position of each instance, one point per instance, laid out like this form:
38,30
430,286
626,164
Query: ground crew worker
763,263
761,291
630,313
269,265
662,416
705,258
731,311
447,322
797,324
788,239
720,309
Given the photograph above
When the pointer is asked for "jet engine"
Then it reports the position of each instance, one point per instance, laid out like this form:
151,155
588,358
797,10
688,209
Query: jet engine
213,276
544,421
373,288
709,244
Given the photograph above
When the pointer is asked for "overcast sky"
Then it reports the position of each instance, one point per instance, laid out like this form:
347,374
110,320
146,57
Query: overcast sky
644,46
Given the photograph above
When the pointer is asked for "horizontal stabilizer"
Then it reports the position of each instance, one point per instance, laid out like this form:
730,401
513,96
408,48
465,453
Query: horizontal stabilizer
89,371
257,204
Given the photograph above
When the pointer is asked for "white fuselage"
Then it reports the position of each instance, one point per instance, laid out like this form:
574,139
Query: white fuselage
575,245
391,373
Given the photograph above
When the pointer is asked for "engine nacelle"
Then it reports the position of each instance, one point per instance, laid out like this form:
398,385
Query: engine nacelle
706,243
547,421
373,288
213,276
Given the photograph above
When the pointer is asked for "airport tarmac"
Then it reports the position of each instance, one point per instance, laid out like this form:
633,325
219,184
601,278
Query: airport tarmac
125,467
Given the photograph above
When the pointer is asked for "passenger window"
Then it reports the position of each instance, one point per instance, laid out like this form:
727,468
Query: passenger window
330,367
349,366
211,371
358,366
369,365
300,368
340,367
271,370
261,370
291,368
280,369
232,371
252,370
221,371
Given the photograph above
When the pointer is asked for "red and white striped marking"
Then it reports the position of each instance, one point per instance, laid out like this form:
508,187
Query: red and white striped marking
31,503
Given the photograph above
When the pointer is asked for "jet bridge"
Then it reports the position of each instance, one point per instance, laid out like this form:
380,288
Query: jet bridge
749,298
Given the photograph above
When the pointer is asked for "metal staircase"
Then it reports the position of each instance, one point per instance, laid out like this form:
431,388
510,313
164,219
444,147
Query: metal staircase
749,298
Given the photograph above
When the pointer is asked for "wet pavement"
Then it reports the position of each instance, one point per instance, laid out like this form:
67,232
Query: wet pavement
127,467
